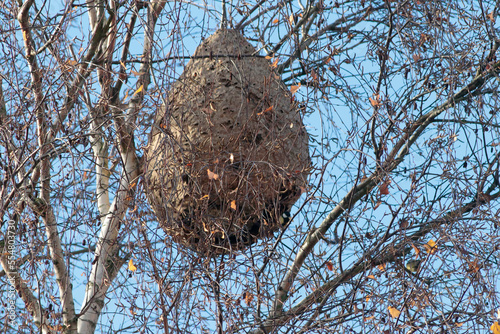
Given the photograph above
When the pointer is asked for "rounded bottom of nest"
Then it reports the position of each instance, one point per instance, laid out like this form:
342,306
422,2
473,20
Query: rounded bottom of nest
215,236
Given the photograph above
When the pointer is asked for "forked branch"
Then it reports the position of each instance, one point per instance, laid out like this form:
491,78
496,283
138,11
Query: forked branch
402,147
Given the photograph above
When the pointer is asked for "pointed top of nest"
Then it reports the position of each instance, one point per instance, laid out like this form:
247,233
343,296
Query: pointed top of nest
225,42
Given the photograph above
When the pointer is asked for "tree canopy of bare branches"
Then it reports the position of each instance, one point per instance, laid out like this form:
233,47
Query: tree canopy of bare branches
400,100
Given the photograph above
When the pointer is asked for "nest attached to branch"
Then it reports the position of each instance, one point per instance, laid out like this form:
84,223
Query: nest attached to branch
228,153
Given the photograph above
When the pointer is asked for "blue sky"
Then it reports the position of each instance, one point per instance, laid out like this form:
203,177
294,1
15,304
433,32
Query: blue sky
336,131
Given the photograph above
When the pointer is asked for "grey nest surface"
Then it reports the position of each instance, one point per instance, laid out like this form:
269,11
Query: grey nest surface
228,153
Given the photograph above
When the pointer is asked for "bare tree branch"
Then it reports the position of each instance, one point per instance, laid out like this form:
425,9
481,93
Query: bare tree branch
45,208
107,247
395,157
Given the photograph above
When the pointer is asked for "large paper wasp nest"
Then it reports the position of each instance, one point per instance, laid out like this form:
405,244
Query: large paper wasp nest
228,153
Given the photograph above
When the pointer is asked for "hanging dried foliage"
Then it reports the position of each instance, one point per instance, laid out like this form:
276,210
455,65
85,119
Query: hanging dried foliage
228,153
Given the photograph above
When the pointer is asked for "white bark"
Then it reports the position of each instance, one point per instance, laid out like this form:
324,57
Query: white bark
43,207
100,278
107,247
100,148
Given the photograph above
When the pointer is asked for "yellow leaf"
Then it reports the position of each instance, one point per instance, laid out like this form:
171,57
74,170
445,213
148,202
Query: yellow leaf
204,196
371,276
291,19
248,297
275,21
267,110
369,318
212,175
294,88
275,63
417,251
268,57
495,328
381,267
139,90
430,247
375,102
71,62
131,266
393,311
474,267
491,16
123,65
233,204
